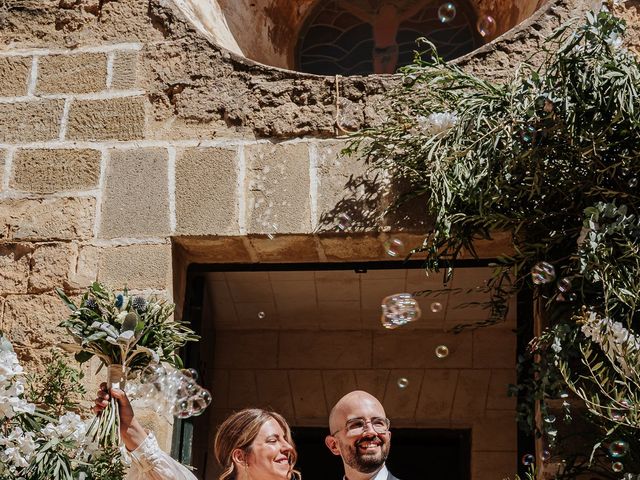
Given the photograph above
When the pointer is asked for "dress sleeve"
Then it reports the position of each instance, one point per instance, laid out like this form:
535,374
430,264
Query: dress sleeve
149,462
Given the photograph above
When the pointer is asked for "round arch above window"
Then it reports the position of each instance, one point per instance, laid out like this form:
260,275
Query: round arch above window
357,38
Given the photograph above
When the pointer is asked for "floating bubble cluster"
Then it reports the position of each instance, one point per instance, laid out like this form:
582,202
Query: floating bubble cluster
403,383
399,309
447,12
166,389
528,459
543,272
618,448
442,351
486,25
394,247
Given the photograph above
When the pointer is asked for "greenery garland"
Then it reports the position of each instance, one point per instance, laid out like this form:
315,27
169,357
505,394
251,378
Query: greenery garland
551,156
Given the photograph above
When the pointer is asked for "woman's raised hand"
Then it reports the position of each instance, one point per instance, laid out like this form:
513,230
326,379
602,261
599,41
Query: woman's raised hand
130,429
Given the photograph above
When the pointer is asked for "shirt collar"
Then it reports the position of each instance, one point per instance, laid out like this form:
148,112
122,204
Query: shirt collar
382,474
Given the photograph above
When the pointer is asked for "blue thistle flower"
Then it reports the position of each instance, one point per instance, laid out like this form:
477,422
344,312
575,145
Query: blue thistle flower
119,300
139,303
90,303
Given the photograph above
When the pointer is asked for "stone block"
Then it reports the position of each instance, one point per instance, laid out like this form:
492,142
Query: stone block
436,397
35,121
337,383
492,465
125,70
348,195
471,394
274,392
285,248
14,267
14,76
497,397
47,219
75,73
243,391
402,392
372,381
234,349
352,248
86,267
135,202
498,431
55,170
494,348
307,390
136,266
31,322
51,266
206,191
319,349
111,119
277,188
416,348
213,249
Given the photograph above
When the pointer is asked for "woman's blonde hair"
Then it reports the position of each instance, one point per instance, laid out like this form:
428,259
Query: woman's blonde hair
239,430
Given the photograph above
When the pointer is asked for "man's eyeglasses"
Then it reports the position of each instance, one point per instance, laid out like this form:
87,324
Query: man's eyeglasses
357,426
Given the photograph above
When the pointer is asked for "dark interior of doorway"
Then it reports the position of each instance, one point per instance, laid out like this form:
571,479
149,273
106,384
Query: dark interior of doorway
416,454
437,450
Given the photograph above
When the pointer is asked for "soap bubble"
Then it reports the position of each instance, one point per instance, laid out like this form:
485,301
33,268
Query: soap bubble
394,247
550,418
442,351
191,372
633,183
273,229
261,315
447,12
436,307
344,222
617,467
564,394
486,25
543,272
618,448
546,455
403,383
399,309
528,459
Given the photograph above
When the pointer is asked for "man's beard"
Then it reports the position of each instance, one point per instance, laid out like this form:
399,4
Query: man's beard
366,462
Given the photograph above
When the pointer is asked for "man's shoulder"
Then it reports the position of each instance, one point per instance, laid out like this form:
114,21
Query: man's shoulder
391,477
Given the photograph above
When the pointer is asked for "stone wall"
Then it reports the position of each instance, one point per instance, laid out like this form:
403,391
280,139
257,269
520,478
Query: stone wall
131,146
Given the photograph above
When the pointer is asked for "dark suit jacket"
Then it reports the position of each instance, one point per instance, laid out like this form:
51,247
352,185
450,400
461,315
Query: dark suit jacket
391,477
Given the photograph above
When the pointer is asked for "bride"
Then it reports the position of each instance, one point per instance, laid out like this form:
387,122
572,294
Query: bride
251,444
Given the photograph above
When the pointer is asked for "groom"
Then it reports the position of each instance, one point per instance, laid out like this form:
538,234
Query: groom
360,435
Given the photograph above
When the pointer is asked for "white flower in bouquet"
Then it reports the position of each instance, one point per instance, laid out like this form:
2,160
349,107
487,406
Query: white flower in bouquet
437,122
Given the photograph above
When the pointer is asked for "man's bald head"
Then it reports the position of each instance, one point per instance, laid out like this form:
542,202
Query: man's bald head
354,404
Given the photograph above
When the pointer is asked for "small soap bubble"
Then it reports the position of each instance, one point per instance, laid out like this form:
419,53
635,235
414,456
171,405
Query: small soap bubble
618,448
486,25
528,459
436,307
617,467
550,418
394,247
403,383
633,183
564,285
564,394
617,416
442,351
273,229
344,222
546,455
447,12
399,309
261,315
543,272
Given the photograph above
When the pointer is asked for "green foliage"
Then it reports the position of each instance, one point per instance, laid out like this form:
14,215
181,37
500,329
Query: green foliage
552,158
57,389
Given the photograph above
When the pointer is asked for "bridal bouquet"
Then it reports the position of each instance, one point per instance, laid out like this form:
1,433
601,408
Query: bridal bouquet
127,333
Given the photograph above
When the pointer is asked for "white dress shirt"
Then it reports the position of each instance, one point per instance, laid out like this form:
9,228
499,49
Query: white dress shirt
382,474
